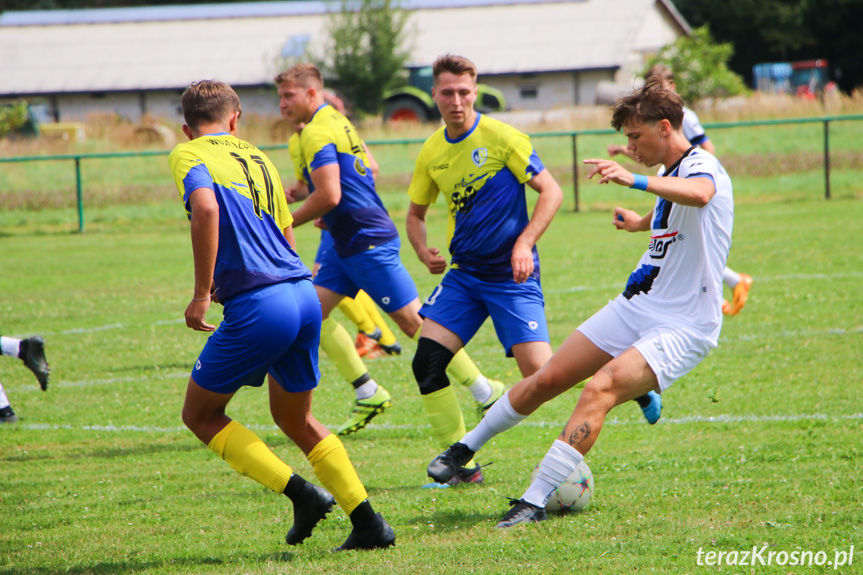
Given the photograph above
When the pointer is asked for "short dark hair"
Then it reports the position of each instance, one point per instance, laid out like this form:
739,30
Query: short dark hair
648,105
208,102
457,65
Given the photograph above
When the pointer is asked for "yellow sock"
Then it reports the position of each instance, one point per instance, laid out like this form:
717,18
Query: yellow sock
387,335
444,414
250,456
339,346
333,467
461,368
356,312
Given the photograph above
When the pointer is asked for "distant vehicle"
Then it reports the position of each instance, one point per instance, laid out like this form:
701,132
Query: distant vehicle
807,79
413,103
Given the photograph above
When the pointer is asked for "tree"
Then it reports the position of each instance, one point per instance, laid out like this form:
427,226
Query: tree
366,54
785,30
700,66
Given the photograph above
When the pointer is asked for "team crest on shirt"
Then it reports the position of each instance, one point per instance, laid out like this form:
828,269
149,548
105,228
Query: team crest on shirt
360,167
479,156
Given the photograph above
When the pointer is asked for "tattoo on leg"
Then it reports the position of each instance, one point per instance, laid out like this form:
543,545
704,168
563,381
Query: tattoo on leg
607,370
581,433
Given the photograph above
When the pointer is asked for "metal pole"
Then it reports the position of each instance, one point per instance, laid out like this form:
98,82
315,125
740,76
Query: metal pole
827,159
80,194
575,169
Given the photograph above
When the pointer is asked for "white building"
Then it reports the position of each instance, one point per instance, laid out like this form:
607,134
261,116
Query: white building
132,61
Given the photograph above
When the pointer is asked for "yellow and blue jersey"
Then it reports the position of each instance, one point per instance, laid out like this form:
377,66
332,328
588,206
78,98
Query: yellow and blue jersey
253,251
482,175
360,221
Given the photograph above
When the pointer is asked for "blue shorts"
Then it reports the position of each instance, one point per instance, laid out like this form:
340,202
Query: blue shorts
275,330
379,272
462,302
325,245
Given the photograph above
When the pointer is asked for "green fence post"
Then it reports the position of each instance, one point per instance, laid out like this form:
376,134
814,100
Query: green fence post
575,169
826,159
80,194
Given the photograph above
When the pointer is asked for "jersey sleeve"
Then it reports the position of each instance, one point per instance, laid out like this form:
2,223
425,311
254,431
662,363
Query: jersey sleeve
692,129
698,167
423,189
318,146
522,159
190,173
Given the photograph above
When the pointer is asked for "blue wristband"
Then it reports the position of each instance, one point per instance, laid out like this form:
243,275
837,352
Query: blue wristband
640,182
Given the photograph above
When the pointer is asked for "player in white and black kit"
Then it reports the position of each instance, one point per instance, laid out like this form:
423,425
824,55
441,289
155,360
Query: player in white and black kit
739,283
666,321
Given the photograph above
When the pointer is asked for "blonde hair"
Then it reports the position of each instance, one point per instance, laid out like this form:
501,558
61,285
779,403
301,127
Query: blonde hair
208,102
305,75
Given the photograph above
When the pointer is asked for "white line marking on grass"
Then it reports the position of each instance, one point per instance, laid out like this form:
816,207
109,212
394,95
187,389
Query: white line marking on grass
612,421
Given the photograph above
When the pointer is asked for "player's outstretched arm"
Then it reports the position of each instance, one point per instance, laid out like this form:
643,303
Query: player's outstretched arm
205,245
695,192
416,229
297,193
550,199
327,195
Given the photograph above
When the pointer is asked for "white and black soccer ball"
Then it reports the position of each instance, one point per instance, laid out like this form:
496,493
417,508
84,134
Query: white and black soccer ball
574,494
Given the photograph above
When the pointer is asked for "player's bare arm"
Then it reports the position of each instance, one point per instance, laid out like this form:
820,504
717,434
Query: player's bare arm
296,193
695,192
550,199
630,221
416,229
205,245
328,193
615,149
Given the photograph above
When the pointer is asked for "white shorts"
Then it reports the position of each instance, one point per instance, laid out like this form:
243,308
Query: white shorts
671,349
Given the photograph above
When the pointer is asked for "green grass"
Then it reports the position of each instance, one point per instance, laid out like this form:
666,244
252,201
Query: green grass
759,445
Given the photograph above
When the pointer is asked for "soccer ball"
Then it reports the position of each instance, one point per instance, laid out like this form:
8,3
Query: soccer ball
574,494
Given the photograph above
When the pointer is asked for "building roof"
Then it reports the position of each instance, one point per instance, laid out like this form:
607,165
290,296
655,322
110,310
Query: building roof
151,48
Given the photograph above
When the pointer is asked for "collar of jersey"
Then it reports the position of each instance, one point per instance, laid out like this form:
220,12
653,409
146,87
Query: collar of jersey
466,134
324,105
218,134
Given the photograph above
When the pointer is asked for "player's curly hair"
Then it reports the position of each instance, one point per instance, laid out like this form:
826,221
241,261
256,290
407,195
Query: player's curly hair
648,105
456,65
304,75
208,102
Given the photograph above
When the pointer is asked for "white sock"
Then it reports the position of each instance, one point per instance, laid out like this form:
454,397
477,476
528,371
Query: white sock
558,463
730,277
498,419
10,346
4,401
480,389
367,389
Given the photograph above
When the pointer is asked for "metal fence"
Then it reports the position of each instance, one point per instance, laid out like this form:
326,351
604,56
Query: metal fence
77,159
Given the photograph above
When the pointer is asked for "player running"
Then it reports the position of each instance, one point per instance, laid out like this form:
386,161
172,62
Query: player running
244,257
366,244
480,166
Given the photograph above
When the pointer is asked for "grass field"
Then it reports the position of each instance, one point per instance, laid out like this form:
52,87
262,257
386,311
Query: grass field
760,445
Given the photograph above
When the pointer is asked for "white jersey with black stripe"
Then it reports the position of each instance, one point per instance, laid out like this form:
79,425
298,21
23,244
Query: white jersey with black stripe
692,129
680,274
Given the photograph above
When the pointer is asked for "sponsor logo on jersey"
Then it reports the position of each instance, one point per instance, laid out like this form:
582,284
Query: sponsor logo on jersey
479,156
444,166
658,247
